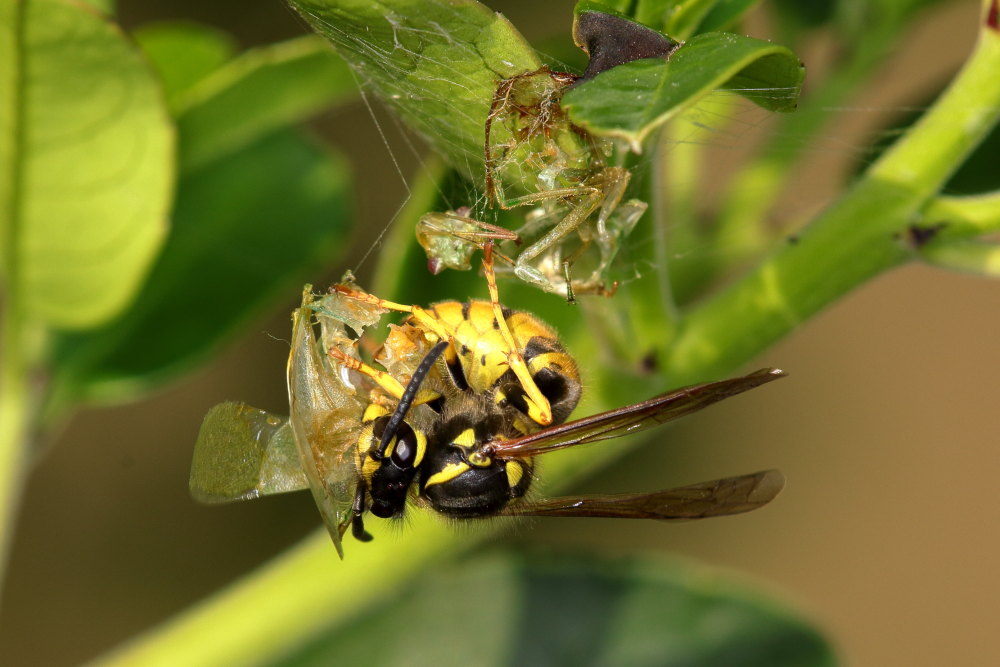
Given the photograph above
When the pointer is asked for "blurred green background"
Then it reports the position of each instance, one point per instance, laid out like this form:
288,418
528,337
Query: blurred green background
886,534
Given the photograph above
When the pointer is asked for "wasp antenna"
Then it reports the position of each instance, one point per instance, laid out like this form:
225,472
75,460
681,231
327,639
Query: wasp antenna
406,400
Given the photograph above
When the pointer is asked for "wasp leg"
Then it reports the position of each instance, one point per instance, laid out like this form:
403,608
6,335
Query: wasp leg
357,514
391,385
427,321
539,408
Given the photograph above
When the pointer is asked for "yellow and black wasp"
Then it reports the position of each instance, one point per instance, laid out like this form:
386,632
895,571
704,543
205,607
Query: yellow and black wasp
466,396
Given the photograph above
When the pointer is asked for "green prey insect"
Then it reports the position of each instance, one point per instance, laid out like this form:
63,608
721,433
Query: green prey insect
535,157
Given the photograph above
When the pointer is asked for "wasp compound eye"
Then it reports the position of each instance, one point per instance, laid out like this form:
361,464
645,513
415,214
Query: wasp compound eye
404,454
390,482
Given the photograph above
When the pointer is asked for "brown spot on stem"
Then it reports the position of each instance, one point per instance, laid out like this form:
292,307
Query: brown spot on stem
920,235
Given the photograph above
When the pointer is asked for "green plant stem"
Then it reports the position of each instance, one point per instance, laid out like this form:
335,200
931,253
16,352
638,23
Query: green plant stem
15,401
292,598
967,256
961,217
861,235
15,413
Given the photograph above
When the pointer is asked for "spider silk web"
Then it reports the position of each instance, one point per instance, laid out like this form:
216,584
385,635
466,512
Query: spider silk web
718,136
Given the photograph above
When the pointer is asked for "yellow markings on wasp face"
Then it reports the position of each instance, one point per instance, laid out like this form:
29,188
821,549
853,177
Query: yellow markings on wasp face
365,465
448,473
465,439
515,472
421,446
373,412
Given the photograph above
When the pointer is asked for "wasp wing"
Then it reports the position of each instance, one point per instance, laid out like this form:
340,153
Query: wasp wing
244,453
720,497
632,418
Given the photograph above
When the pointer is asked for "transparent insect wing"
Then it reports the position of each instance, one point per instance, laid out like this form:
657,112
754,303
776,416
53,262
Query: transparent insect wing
325,406
633,418
718,497
244,453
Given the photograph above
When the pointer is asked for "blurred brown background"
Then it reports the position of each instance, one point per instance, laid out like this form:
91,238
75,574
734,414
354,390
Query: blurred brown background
887,536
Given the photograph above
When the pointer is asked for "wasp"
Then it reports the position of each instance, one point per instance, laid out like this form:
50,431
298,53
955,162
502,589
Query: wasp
449,415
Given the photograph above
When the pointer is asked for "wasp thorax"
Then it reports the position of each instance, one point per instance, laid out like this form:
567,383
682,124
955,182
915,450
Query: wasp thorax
460,476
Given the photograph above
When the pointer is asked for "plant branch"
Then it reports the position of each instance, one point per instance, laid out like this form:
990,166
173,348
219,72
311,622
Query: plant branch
15,418
967,256
962,217
743,231
861,235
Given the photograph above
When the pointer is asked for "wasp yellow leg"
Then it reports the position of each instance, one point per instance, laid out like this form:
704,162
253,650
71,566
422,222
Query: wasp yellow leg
538,406
419,314
365,297
389,384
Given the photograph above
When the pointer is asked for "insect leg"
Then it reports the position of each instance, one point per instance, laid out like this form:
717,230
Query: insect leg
539,408
357,514
451,238
426,320
389,384
589,200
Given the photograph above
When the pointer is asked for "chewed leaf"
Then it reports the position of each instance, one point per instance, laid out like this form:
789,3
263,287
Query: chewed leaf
435,62
631,100
86,163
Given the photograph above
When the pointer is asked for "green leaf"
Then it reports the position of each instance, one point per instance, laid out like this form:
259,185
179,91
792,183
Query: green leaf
680,19
435,62
632,100
806,14
86,163
184,53
677,18
724,14
618,7
106,6
544,610
246,231
256,93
